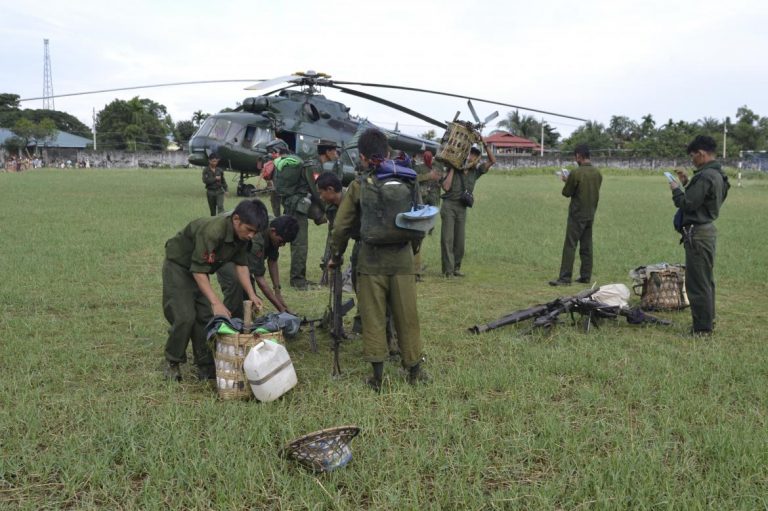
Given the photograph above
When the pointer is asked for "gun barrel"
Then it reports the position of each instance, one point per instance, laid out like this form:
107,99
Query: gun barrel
509,319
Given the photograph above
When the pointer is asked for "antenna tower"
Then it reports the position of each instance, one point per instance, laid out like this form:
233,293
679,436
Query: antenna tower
47,80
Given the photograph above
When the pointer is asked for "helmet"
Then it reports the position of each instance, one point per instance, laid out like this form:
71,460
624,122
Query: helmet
421,218
277,146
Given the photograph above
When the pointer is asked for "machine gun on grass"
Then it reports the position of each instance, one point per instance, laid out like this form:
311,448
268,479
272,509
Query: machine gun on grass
547,315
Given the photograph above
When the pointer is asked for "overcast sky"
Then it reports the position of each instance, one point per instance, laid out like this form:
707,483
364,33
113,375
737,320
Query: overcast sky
679,59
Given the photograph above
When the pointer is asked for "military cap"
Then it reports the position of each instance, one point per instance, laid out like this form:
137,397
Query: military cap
325,144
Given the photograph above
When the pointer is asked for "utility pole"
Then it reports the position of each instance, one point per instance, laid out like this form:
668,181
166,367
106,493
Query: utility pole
725,139
542,137
47,79
94,128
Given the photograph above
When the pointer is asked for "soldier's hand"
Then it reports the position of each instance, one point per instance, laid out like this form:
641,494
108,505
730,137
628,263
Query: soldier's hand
257,304
682,176
219,309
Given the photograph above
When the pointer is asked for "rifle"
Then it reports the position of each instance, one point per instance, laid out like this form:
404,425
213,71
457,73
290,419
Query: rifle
334,319
326,258
547,315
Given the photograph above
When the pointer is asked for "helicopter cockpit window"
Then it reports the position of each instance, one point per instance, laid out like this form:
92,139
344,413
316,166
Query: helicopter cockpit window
256,137
219,130
206,127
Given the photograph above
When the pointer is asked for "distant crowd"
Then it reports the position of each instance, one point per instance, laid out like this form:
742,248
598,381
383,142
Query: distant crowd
18,164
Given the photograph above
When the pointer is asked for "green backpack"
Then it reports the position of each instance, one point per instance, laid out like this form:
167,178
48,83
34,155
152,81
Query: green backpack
288,176
381,200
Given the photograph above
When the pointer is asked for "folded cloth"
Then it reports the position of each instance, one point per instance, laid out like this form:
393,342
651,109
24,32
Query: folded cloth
223,325
283,321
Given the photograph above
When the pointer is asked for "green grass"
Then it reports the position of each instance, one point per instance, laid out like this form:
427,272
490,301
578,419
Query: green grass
620,418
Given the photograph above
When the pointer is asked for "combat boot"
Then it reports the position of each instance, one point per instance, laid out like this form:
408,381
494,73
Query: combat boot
172,372
417,375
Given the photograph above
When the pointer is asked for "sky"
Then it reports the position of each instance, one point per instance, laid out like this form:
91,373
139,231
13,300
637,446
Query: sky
593,59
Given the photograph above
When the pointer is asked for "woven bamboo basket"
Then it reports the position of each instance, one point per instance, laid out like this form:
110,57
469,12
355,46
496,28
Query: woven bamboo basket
231,350
456,143
663,290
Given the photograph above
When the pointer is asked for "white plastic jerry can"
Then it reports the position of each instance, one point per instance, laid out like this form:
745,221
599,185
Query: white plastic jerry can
269,370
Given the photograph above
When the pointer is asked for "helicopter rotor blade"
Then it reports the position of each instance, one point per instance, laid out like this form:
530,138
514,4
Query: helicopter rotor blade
439,93
390,104
490,117
267,84
85,93
472,110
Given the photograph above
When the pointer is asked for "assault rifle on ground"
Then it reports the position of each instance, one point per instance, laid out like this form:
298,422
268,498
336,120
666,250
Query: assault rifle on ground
547,315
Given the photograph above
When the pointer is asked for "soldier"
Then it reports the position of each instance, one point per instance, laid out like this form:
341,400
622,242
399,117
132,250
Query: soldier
215,184
189,301
264,246
385,273
429,179
583,187
459,186
296,185
700,204
328,156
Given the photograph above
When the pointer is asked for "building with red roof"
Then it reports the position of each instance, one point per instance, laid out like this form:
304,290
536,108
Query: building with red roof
505,143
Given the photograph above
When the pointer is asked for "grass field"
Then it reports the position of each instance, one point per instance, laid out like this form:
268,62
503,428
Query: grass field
620,418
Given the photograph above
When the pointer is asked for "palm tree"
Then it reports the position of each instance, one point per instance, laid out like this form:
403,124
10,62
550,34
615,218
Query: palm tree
525,126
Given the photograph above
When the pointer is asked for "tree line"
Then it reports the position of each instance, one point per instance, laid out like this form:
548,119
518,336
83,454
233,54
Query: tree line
645,138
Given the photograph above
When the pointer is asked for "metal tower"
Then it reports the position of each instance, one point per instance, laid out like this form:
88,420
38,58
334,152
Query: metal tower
47,80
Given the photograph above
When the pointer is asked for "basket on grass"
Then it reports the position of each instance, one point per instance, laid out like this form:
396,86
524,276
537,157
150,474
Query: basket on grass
231,350
661,287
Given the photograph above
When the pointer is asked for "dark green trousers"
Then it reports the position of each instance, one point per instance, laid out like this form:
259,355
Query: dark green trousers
299,250
233,292
453,216
274,199
215,201
577,232
699,276
398,292
187,311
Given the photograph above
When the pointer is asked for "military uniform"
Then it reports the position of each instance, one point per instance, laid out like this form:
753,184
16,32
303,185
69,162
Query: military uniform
453,215
215,189
430,189
203,246
260,250
385,277
296,202
700,204
583,187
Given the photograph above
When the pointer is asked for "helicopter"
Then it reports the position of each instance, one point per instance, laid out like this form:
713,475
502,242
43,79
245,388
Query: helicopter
301,118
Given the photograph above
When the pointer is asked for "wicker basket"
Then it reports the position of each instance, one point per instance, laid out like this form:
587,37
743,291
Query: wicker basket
662,289
231,350
456,143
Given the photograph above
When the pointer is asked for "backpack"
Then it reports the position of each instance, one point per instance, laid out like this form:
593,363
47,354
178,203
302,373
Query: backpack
383,195
288,176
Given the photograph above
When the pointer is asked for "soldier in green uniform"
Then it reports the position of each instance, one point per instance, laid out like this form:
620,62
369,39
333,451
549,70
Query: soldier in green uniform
265,246
189,301
699,205
430,173
215,184
583,187
385,273
328,158
295,183
453,213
